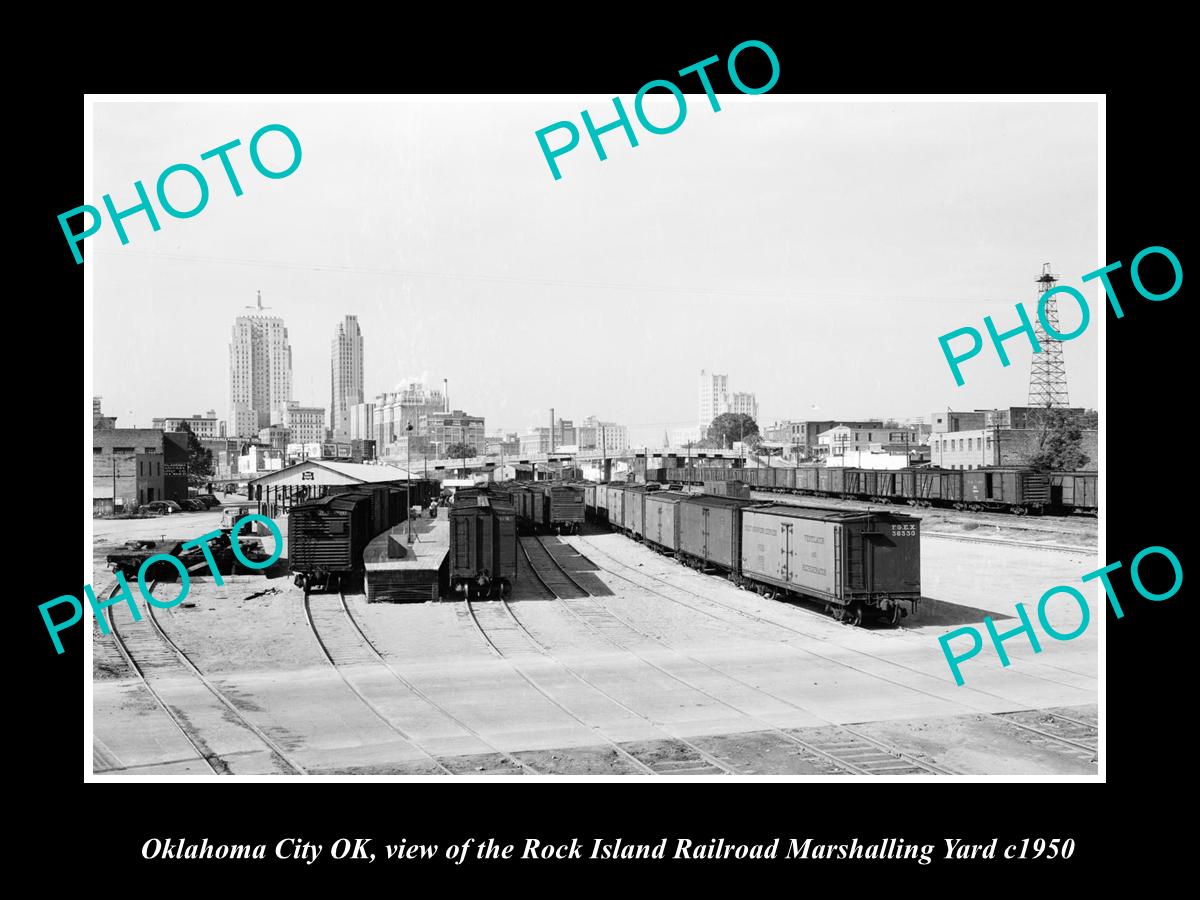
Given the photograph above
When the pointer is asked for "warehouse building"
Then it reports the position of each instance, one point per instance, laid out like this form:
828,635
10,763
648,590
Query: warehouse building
134,466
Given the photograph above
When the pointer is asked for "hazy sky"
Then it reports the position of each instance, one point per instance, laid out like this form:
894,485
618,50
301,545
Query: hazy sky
814,252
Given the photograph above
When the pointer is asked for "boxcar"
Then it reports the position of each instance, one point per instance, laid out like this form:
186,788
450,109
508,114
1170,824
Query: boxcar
589,500
633,519
326,538
807,478
1074,491
1015,489
710,531
738,489
557,507
853,482
927,486
615,499
483,545
852,560
661,519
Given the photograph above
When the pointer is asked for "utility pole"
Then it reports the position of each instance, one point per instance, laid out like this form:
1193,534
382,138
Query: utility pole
996,429
114,462
408,480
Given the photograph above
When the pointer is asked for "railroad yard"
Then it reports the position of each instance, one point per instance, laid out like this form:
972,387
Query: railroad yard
607,658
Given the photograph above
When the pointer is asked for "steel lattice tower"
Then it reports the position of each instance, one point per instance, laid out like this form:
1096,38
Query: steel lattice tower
1048,373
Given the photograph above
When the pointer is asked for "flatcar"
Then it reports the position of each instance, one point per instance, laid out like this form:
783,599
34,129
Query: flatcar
483,544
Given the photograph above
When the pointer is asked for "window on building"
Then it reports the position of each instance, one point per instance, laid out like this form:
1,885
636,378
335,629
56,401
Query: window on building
122,449
970,443
95,451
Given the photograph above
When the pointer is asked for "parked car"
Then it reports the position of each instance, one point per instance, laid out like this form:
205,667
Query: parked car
191,504
231,514
162,507
209,501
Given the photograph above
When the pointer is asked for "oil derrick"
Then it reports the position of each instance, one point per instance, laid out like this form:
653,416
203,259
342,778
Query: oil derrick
1048,372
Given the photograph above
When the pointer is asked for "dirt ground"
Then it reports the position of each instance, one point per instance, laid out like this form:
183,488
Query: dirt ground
663,671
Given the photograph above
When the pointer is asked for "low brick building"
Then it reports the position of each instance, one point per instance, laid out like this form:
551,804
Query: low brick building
134,466
997,447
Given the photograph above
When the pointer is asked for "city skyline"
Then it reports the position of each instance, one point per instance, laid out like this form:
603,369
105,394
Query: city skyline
821,276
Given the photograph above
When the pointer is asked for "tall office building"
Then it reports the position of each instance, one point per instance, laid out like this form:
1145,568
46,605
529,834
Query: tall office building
260,372
713,388
345,376
716,398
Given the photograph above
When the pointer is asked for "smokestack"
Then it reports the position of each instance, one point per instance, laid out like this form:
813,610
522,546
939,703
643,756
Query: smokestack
552,429
446,393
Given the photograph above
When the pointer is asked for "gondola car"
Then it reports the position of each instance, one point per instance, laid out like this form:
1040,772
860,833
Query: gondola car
483,544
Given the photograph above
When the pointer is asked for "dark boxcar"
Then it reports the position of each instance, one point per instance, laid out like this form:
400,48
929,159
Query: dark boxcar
806,478
928,486
710,531
852,560
852,481
483,546
558,507
1074,491
661,518
738,489
326,538
1019,490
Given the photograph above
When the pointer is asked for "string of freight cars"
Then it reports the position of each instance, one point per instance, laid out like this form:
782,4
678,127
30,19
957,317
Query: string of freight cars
124,594
1026,627
1027,328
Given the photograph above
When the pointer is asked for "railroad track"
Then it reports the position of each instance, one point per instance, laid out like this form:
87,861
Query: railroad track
848,749
502,638
1031,545
1075,743
344,643
154,655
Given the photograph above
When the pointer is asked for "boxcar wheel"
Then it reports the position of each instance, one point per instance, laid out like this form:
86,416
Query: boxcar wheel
894,615
854,615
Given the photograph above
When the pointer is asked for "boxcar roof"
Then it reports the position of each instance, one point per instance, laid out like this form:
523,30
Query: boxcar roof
669,496
811,512
344,500
716,500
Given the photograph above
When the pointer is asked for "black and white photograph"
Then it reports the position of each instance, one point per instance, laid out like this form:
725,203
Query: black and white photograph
723,434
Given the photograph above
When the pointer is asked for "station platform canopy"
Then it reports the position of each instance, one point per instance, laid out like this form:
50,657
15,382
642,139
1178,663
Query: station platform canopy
329,472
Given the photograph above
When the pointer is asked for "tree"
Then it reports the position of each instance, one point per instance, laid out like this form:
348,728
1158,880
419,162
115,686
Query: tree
200,464
1060,444
460,451
729,427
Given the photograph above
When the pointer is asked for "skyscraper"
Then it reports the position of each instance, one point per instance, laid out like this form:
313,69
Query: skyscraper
713,388
346,376
260,371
